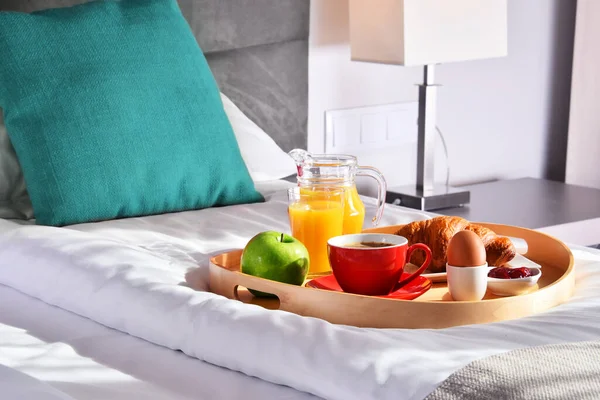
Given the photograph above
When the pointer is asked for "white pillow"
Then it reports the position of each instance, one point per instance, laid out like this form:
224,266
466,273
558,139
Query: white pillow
265,160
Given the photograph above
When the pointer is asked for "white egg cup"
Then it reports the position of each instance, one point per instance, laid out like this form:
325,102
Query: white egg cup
467,283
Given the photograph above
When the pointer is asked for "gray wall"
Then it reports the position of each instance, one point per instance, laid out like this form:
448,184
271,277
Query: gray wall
584,129
502,118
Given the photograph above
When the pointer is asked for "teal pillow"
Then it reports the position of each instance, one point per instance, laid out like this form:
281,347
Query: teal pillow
113,112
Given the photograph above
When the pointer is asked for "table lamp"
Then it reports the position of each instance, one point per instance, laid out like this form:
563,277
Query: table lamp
426,33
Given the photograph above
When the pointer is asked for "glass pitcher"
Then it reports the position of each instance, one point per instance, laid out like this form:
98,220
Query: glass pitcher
325,171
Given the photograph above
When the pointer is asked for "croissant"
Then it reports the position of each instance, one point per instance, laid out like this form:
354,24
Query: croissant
437,232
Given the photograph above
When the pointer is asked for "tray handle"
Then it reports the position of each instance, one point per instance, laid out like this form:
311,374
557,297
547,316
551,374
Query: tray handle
272,303
259,284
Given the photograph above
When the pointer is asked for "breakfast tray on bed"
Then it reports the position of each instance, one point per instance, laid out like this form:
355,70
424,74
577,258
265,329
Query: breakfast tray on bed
434,309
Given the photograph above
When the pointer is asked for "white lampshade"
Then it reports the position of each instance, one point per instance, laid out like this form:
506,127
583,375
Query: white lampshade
421,32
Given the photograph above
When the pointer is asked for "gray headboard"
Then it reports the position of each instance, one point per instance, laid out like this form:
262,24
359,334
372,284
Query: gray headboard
257,50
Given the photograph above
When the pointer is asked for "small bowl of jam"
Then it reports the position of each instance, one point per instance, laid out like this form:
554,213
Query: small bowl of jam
504,281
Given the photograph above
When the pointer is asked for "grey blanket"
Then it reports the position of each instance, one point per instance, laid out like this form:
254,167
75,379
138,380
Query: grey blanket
563,372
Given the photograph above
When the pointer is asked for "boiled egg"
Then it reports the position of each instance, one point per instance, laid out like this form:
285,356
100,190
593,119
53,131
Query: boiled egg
465,249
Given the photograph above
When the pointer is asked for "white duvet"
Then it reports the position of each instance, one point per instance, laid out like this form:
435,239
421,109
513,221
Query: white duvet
130,275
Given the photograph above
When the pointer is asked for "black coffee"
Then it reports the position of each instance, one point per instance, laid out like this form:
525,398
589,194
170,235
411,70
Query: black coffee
369,244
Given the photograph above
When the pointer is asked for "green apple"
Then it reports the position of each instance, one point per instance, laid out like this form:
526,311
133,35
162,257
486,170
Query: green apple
275,256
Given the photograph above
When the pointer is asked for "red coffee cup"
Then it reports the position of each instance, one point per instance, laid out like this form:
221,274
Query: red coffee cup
372,263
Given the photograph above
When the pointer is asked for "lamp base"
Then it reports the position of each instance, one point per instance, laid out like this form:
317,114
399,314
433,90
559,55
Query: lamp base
441,196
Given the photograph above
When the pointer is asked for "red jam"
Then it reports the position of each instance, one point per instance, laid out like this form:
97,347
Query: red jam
509,273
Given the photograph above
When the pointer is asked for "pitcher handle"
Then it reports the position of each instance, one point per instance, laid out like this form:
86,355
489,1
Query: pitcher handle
382,189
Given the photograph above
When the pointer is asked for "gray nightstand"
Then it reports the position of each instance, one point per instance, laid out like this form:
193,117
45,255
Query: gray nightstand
570,213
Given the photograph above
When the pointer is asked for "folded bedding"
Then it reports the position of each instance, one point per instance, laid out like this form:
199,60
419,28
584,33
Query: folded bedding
503,376
130,275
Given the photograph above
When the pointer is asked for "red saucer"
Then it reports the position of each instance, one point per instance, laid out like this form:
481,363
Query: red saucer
411,290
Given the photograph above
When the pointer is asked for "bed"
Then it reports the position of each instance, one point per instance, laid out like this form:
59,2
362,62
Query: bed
104,310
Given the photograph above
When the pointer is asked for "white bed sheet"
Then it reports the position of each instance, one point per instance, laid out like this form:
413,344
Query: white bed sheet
331,361
17,385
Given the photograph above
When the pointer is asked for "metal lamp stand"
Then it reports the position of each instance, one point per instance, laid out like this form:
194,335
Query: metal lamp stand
426,194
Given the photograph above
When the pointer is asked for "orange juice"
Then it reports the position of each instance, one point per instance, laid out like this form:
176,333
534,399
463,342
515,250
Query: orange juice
354,209
313,223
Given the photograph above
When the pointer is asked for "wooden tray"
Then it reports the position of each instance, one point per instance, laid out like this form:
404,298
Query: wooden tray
434,309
